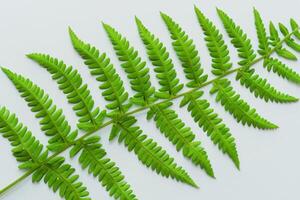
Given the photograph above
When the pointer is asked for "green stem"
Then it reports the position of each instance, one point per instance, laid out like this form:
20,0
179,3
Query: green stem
15,182
28,173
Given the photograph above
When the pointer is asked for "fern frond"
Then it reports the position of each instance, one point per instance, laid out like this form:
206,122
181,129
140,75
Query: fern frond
70,82
96,163
263,42
186,52
257,85
116,186
289,40
295,28
275,42
101,67
238,107
225,93
217,48
26,148
149,153
180,135
166,119
218,133
209,121
239,39
272,63
60,176
261,88
159,57
93,157
133,66
52,119
281,69
29,151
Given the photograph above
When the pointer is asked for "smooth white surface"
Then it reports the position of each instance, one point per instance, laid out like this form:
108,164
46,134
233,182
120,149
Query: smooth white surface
269,159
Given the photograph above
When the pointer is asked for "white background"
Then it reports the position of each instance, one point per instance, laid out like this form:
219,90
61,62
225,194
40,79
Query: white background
270,160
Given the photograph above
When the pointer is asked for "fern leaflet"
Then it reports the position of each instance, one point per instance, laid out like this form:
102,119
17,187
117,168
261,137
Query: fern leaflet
238,107
186,52
93,157
289,40
263,42
295,28
180,135
70,82
134,67
217,48
275,42
149,152
159,57
209,121
281,69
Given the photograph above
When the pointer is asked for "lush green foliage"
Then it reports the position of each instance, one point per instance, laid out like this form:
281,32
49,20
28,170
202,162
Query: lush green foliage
165,118
147,150
257,85
51,167
70,82
29,152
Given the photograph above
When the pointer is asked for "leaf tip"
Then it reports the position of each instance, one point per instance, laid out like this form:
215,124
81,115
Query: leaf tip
6,71
163,15
29,55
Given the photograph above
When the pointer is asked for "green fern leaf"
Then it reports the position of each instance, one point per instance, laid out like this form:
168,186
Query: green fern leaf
29,151
133,65
281,69
93,157
149,153
238,107
70,82
26,148
257,85
221,62
186,52
100,66
261,88
270,63
209,121
59,175
180,135
263,42
116,186
295,28
220,134
289,41
159,57
52,119
238,39
143,147
217,48
275,42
